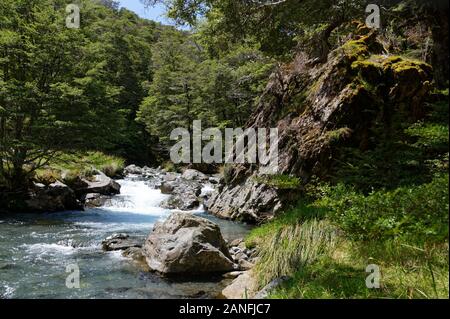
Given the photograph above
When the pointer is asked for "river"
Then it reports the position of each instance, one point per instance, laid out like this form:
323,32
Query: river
35,250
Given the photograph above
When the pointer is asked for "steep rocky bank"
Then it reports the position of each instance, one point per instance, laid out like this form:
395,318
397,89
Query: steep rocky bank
320,108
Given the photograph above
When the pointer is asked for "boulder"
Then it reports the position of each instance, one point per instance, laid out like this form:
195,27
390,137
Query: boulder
250,201
192,174
187,244
93,200
133,169
184,195
52,198
243,287
167,188
100,184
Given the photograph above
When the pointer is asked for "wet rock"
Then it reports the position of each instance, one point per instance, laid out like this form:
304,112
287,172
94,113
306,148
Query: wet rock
120,242
236,242
52,198
100,184
184,196
137,255
171,177
241,255
93,200
187,244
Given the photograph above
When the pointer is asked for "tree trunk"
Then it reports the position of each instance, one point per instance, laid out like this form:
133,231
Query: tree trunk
440,55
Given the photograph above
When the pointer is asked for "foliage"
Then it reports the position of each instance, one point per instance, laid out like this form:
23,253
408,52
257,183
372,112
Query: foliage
68,166
407,272
188,86
293,247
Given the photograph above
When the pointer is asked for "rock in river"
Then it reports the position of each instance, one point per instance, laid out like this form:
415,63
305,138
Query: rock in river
187,244
52,198
120,242
101,184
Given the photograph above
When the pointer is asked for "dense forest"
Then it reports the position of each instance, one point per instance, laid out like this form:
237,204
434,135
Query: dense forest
363,115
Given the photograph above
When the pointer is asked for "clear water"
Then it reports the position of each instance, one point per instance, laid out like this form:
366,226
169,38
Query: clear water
35,250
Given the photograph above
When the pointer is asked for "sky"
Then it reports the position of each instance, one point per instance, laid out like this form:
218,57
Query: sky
154,13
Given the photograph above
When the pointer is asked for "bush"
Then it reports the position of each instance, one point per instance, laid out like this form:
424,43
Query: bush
418,212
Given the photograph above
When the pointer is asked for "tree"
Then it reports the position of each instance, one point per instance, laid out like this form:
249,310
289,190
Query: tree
37,54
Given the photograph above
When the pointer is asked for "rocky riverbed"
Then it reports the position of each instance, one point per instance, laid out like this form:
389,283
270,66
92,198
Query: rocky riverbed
106,239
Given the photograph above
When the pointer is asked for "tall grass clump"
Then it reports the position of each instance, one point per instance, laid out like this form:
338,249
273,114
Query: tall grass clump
292,247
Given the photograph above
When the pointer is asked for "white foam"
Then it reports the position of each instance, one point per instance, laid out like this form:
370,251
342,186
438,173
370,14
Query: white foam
43,248
138,198
8,291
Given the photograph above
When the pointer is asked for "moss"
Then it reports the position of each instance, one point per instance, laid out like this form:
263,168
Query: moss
356,49
339,134
279,181
401,66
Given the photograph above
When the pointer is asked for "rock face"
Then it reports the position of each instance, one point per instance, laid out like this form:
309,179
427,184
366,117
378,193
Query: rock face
187,244
248,201
52,198
319,108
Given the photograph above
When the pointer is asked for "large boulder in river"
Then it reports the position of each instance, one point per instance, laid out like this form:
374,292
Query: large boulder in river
187,244
100,184
52,198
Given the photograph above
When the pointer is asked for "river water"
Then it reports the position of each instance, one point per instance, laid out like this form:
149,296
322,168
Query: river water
35,250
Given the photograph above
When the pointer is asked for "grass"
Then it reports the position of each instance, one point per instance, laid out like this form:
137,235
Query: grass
407,272
293,247
68,166
296,215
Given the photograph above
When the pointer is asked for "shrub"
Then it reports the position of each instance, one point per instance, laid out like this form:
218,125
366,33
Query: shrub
417,212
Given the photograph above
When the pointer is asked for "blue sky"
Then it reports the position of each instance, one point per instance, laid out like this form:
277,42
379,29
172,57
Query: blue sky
153,13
